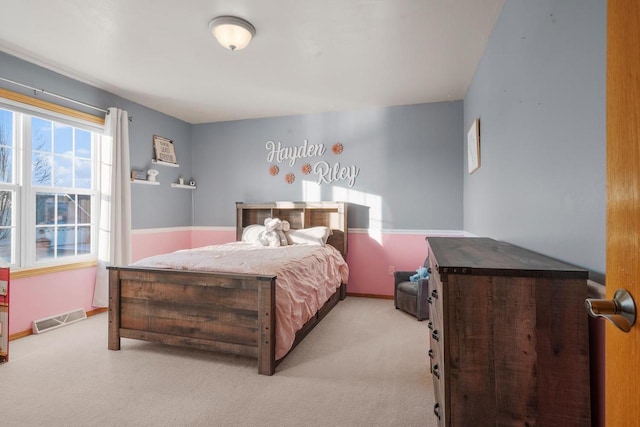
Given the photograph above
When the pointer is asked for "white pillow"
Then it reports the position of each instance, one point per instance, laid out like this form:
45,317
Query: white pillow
312,236
251,232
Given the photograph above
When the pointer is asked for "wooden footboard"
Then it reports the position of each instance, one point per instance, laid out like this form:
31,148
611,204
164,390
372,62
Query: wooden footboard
233,313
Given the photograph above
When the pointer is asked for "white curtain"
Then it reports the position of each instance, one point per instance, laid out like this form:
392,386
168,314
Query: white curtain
114,231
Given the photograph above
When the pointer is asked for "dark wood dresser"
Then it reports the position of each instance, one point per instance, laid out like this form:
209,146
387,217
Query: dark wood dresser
509,336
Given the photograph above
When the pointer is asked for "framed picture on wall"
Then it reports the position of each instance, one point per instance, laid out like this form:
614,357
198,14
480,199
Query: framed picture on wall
164,149
473,146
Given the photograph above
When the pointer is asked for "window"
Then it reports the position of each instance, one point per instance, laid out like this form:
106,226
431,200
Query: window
48,189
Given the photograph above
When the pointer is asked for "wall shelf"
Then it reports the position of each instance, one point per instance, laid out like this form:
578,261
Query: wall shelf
144,181
160,162
176,185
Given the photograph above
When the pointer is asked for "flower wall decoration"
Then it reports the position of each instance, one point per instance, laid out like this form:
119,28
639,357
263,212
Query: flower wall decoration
290,178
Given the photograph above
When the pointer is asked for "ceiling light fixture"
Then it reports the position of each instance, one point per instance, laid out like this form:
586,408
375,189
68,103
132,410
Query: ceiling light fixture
231,32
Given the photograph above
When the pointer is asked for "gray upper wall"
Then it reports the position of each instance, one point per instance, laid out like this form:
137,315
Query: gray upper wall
409,160
152,206
539,92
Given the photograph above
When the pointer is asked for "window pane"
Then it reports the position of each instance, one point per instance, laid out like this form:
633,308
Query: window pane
44,243
6,237
41,169
66,244
65,208
62,171
84,209
6,146
83,174
6,213
6,164
7,228
6,128
83,143
45,208
84,240
41,134
62,139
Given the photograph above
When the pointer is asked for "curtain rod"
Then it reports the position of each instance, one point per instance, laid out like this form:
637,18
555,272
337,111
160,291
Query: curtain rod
44,92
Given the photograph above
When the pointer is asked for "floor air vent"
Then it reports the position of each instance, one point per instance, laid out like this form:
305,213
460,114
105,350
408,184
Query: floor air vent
53,322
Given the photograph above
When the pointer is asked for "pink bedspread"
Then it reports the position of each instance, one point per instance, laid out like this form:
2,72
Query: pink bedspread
307,275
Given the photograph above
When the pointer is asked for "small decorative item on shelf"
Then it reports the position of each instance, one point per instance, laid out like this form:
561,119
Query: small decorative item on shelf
138,175
152,174
180,180
192,182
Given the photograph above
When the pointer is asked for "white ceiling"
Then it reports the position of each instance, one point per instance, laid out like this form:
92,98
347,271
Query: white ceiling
308,56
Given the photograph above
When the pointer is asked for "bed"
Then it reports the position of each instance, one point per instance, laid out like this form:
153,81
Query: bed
233,312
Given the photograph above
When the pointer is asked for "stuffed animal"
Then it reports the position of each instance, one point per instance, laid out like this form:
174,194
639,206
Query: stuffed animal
422,273
269,237
280,229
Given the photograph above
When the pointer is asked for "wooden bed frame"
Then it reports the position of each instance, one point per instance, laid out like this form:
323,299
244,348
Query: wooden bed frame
228,312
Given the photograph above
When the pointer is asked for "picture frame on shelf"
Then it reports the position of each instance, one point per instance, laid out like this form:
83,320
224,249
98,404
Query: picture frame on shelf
473,146
164,150
138,175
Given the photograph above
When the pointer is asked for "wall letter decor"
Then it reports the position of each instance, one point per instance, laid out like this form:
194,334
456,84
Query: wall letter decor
327,173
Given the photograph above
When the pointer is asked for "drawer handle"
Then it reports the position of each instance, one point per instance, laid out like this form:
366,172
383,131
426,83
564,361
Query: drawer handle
430,353
429,300
430,325
435,335
429,270
434,293
435,371
436,410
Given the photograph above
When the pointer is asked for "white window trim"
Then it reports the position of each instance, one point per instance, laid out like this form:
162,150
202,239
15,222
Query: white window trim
25,255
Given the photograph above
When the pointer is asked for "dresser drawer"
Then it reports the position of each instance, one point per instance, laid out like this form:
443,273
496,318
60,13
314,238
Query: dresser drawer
433,269
437,373
435,350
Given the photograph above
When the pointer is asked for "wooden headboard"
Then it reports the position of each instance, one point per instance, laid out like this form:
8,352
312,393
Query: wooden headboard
300,215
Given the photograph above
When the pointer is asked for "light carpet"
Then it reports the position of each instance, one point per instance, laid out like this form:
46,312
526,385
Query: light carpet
365,364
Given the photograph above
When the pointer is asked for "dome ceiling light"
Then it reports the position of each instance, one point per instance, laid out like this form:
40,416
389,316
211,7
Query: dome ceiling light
232,32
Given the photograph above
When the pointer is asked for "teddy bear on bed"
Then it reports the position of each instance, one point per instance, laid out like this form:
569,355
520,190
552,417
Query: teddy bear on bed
273,234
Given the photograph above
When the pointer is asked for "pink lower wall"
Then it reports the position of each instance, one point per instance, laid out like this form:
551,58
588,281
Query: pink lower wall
37,297
145,243
373,258
207,236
